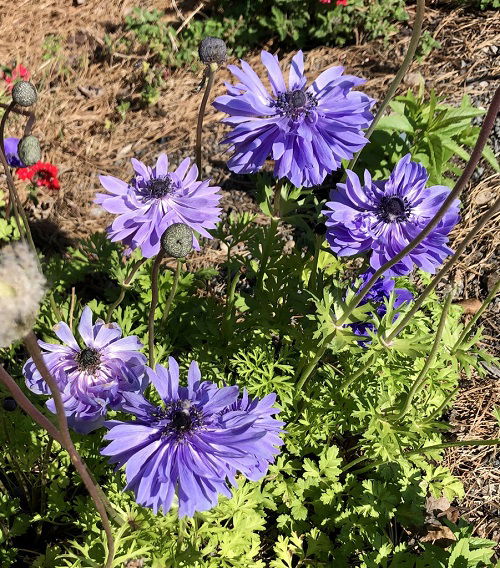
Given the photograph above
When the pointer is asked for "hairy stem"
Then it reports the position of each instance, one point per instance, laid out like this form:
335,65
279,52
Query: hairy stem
173,291
33,349
211,69
410,54
486,129
446,268
154,302
422,376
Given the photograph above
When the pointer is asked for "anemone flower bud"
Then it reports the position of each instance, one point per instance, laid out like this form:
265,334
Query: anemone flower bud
24,94
212,50
29,151
22,288
177,240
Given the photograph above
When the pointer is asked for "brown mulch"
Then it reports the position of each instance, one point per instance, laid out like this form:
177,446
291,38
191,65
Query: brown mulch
82,132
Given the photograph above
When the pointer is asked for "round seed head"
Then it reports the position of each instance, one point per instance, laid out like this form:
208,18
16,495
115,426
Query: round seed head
24,94
177,240
212,50
29,150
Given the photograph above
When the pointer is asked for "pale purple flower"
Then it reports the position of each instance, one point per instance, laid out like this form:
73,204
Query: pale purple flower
92,377
382,217
192,445
155,199
306,130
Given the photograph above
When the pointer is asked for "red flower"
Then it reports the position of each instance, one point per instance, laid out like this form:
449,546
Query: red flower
18,72
326,1
40,174
341,2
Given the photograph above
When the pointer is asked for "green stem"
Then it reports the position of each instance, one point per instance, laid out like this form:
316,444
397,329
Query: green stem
318,241
266,251
173,291
422,376
410,54
486,129
476,316
441,407
154,302
211,69
358,373
312,365
446,268
230,302
124,285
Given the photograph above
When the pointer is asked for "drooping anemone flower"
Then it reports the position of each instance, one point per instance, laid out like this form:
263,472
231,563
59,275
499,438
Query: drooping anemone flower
194,444
11,155
384,216
156,199
41,174
93,377
378,293
306,130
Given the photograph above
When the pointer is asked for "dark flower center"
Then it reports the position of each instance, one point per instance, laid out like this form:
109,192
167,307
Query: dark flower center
183,418
295,104
394,208
88,360
156,188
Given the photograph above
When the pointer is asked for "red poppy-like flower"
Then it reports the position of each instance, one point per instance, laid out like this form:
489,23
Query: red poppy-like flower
341,2
40,174
18,72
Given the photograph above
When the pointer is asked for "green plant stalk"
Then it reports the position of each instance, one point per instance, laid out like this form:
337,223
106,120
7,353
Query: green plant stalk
211,69
441,407
173,291
486,129
31,344
154,302
422,376
266,252
230,302
443,446
476,316
125,284
311,284
358,373
410,54
446,268
312,365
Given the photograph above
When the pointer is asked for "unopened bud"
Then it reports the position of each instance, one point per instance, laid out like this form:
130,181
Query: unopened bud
29,151
212,50
177,240
24,94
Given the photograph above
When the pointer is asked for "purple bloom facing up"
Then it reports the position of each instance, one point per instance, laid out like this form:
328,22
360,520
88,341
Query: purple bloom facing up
91,378
194,444
11,155
379,292
156,199
306,130
384,216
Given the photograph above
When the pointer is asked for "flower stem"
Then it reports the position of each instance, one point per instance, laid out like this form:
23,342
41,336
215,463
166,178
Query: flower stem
33,349
154,302
358,373
477,315
446,268
173,291
410,54
266,252
422,376
312,365
125,284
211,69
230,302
486,128
318,241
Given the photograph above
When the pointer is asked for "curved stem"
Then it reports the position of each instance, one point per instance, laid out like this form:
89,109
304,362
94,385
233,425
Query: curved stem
446,268
230,302
441,407
125,285
310,368
410,54
154,302
486,128
476,316
3,122
201,115
33,349
173,291
359,372
422,376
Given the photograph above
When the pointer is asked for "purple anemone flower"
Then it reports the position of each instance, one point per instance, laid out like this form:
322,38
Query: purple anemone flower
194,444
384,216
379,292
91,378
11,155
306,130
156,199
